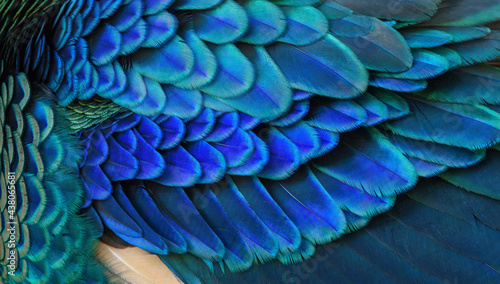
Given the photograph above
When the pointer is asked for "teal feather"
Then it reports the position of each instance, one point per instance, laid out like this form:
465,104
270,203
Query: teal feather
181,168
91,20
205,64
121,164
112,80
425,65
182,103
270,96
153,7
222,24
108,8
266,22
196,4
257,235
352,26
173,129
235,74
399,85
305,25
236,149
480,50
150,162
474,126
383,49
478,178
238,255
353,199
200,127
333,10
426,38
55,77
126,17
148,239
305,251
450,156
468,85
150,132
213,165
180,212
296,2
328,141
170,63
155,101
376,110
409,11
462,34
452,56
466,13
334,71
215,104
94,177
256,162
145,206
426,169
136,91
298,110
124,226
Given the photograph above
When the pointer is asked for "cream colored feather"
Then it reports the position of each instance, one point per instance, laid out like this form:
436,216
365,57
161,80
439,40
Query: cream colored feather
135,266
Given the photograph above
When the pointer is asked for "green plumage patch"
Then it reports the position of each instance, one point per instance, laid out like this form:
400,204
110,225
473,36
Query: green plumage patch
50,240
20,20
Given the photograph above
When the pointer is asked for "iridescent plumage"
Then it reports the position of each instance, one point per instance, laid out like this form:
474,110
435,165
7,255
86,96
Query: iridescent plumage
223,134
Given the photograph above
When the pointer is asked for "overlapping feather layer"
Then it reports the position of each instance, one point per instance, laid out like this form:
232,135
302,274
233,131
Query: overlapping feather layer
43,239
311,116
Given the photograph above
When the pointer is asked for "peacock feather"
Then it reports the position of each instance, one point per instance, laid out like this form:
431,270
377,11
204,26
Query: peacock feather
250,140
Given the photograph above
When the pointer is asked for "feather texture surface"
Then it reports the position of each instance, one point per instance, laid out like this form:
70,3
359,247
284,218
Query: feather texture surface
247,140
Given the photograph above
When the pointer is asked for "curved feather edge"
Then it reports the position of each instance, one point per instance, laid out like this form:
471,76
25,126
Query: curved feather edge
388,246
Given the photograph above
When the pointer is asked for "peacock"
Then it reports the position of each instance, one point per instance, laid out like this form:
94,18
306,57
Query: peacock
250,141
